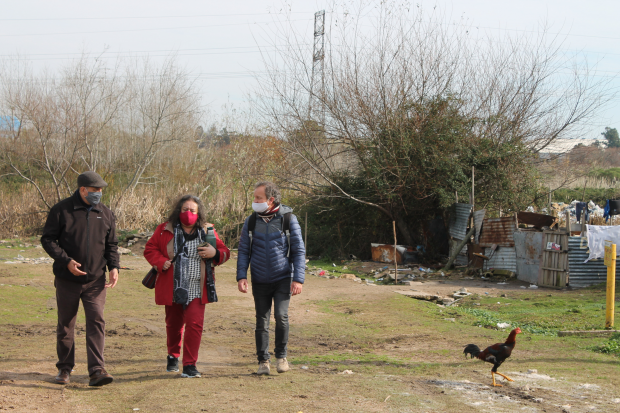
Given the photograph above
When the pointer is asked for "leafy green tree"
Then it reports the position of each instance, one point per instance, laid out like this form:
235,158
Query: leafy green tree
613,140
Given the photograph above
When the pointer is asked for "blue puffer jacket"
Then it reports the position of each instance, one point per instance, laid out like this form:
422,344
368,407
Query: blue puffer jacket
269,249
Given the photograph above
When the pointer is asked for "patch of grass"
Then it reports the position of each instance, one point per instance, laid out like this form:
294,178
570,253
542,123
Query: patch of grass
537,314
339,268
122,234
610,347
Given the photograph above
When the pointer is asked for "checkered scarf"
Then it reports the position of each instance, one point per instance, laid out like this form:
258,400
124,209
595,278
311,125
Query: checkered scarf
181,265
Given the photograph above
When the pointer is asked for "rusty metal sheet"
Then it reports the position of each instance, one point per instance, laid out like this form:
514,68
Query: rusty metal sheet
385,253
528,246
537,220
458,220
498,231
478,218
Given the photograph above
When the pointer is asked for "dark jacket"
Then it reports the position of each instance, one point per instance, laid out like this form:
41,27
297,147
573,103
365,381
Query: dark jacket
269,248
72,232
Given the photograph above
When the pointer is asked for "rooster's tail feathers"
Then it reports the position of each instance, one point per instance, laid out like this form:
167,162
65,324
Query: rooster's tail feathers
471,349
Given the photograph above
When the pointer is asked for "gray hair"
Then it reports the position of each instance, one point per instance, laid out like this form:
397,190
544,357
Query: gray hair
271,191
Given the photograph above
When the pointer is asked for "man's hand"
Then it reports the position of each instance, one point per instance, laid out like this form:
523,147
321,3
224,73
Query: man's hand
73,267
206,252
296,287
167,265
243,285
113,278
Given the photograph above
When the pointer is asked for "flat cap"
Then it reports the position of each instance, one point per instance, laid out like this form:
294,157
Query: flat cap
90,178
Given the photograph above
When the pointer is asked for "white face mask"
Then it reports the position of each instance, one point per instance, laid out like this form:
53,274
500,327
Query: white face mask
260,206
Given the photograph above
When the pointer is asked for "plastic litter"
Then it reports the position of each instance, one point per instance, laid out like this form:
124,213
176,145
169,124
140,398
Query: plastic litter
533,287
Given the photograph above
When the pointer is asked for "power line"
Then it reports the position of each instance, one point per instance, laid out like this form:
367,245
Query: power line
149,17
141,30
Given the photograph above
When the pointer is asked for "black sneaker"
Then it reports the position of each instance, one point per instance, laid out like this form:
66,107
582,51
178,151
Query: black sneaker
173,364
190,371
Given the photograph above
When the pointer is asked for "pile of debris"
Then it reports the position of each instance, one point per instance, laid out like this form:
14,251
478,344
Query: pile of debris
437,299
135,238
21,260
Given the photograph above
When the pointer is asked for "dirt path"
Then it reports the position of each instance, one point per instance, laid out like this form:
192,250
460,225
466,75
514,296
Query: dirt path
401,357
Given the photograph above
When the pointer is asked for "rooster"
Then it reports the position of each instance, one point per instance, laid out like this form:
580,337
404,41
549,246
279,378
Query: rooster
495,354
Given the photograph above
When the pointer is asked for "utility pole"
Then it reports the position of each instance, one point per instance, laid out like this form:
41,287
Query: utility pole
317,81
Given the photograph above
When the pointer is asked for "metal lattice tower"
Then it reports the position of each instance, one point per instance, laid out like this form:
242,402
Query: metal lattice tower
318,57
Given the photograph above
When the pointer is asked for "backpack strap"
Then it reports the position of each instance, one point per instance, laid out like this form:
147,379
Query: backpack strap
286,228
251,226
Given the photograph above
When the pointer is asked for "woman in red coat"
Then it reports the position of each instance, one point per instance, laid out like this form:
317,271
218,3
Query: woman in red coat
185,279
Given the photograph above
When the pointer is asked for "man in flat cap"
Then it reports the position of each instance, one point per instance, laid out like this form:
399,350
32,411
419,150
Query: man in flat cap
80,235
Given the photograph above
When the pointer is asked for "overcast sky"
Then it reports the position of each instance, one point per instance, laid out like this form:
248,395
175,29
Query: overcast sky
220,40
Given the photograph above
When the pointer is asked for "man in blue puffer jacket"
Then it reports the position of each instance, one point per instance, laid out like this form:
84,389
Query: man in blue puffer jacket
277,265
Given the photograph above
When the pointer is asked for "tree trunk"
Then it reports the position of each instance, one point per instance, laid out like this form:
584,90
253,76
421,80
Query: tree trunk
458,248
403,228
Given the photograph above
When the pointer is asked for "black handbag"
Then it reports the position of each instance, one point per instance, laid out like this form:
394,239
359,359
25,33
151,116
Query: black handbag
150,278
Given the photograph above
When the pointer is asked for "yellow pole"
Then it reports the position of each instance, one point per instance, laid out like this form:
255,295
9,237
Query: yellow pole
611,289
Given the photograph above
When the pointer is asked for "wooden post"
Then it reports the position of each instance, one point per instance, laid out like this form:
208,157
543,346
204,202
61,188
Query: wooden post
306,234
611,288
472,189
567,216
456,194
395,260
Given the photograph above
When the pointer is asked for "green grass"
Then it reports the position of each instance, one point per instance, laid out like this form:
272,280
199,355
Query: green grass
328,265
536,314
610,347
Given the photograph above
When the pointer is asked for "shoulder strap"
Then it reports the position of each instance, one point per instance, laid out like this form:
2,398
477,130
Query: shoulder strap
286,228
251,226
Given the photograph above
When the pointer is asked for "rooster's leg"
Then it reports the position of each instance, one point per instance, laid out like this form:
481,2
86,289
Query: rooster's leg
506,377
495,384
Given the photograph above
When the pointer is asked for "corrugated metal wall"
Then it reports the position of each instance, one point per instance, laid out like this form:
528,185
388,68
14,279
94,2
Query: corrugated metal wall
458,221
498,231
505,258
582,274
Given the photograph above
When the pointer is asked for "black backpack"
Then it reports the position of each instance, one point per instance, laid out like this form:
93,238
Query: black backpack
286,228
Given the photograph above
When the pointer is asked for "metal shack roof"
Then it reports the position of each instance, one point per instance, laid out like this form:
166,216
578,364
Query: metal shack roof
458,221
497,231
585,274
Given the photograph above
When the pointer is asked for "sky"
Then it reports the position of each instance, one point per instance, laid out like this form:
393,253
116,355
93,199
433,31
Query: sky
221,41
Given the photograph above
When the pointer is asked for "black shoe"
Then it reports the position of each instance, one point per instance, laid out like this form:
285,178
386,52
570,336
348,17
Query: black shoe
173,364
190,371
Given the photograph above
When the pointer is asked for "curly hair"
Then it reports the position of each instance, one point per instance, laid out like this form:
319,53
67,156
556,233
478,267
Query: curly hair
175,212
271,190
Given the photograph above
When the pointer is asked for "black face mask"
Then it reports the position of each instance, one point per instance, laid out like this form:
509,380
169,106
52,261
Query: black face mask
93,198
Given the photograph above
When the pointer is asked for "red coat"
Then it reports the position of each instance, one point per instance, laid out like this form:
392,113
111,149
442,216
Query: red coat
160,249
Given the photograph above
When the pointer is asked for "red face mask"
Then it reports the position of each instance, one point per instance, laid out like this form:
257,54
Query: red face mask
188,218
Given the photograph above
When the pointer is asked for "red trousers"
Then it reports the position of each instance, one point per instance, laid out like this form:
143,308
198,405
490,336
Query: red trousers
192,318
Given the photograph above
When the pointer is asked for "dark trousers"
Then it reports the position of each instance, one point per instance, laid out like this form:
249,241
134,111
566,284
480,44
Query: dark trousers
68,296
264,294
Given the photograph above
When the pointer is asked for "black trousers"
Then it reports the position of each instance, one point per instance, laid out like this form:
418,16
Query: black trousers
264,294
68,296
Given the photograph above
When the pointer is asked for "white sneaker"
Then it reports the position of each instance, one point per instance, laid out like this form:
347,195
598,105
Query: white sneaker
263,368
282,365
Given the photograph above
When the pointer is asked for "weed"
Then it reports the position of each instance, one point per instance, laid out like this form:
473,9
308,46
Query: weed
610,347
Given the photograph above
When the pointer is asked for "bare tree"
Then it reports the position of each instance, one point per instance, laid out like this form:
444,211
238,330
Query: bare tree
412,101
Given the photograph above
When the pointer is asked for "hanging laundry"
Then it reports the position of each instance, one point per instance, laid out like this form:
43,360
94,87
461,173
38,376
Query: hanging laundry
582,207
606,211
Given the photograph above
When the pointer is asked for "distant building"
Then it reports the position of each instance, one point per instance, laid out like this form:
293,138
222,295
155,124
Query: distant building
560,147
